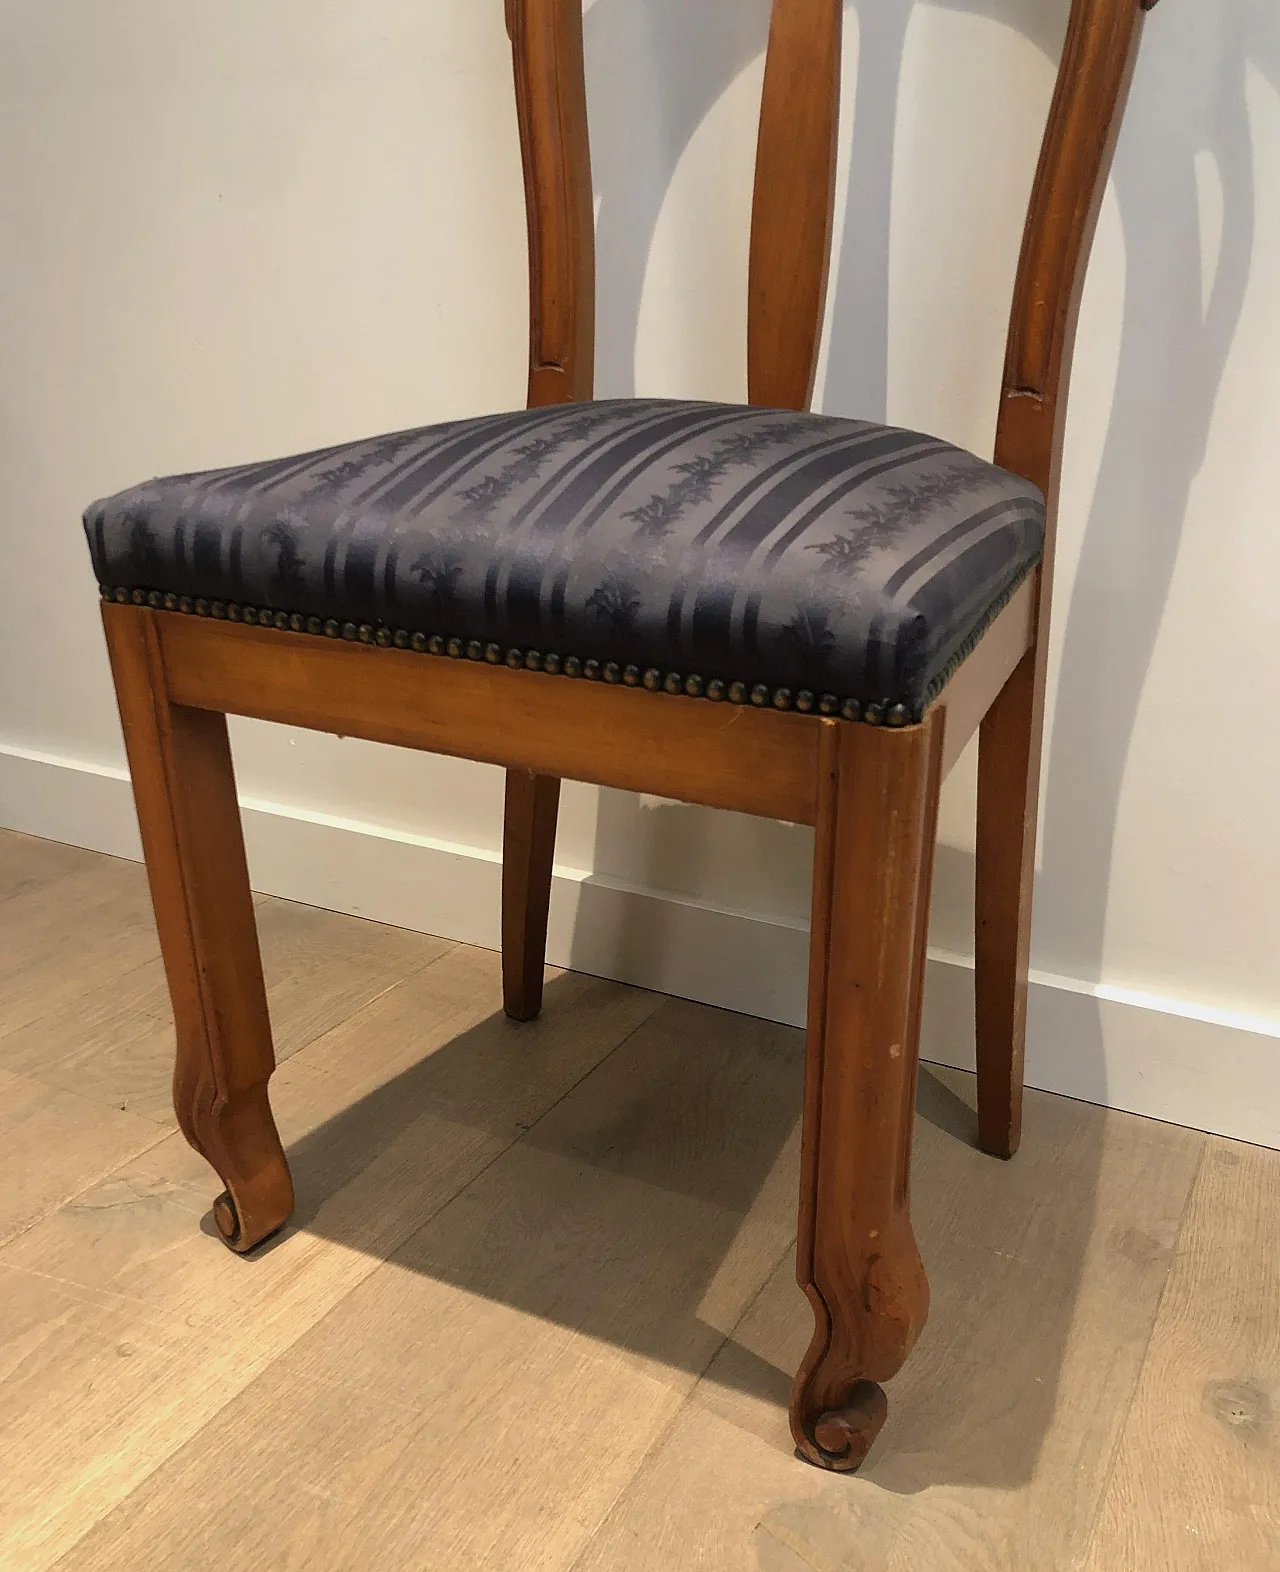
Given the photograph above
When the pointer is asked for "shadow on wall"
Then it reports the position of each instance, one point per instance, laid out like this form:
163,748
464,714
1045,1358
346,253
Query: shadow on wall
1178,327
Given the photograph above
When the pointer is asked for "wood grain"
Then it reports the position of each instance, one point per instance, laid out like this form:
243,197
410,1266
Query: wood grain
132,1329
1094,74
794,206
528,849
1203,1434
568,1259
754,760
1046,1278
55,1144
185,792
856,1256
523,1350
551,104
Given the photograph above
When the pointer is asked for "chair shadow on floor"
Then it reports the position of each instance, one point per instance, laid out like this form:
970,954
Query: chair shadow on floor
653,1206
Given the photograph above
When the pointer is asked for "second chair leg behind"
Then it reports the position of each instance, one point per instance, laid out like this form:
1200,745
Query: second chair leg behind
1008,799
528,849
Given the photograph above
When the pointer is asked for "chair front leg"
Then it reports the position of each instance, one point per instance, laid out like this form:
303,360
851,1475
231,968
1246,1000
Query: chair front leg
185,792
856,1256
528,849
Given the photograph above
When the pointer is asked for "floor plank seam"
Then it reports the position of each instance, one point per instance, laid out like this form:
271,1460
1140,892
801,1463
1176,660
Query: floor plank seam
1109,1472
365,1004
97,1179
513,1142
668,1429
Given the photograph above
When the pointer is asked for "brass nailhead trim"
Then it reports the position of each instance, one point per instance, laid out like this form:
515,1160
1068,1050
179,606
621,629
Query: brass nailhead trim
884,712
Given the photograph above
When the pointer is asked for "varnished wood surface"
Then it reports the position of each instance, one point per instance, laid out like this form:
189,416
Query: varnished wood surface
185,790
166,1407
856,1256
794,201
528,851
1094,74
723,755
551,104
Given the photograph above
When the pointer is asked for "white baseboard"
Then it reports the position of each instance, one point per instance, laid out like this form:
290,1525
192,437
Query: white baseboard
1166,1059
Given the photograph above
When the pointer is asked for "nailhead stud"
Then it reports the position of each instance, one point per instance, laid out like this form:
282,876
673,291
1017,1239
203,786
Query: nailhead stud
879,713
122,595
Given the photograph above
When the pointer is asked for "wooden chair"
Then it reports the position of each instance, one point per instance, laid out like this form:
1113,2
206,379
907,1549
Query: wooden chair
314,645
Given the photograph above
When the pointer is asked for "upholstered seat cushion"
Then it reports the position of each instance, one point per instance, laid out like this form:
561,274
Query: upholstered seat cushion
744,553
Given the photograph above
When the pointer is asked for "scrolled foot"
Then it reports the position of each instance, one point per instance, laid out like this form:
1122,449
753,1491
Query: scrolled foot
239,1140
262,1209
840,1438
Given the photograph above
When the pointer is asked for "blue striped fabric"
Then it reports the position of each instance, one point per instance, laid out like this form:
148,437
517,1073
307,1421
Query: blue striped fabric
850,563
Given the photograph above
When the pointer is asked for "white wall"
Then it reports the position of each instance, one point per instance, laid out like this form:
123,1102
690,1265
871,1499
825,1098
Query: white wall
235,230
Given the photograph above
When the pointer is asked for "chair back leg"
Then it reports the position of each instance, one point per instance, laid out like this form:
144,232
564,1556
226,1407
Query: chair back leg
856,1256
185,791
528,849
1008,798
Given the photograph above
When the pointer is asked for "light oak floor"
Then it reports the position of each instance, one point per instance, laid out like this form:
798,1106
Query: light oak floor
537,1309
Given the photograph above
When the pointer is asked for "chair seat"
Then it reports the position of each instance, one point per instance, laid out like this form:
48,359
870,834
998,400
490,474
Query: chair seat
733,552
